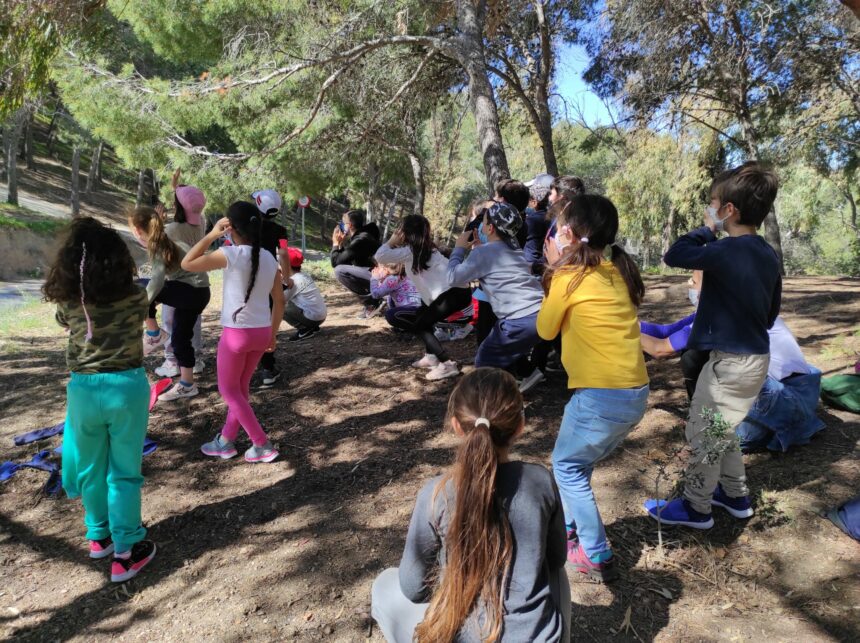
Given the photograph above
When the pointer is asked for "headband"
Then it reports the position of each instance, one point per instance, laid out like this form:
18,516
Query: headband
483,421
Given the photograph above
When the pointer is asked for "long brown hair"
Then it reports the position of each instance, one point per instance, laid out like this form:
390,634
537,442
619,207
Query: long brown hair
159,244
488,406
593,222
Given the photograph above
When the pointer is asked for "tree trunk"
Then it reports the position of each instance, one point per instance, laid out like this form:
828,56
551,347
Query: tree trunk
541,93
76,180
668,233
11,152
141,186
390,214
324,227
481,98
92,179
420,185
453,226
28,142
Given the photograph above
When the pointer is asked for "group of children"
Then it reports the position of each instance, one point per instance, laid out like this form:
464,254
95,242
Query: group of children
488,540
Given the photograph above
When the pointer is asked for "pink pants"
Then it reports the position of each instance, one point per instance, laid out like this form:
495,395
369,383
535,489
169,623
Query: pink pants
239,352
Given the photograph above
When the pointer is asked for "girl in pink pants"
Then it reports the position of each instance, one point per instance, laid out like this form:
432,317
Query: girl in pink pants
251,275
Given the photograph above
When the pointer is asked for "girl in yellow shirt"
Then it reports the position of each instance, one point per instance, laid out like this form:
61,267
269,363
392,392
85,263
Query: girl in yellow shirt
592,302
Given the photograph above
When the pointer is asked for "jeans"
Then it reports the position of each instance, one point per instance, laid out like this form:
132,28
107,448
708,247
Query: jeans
595,422
106,418
508,341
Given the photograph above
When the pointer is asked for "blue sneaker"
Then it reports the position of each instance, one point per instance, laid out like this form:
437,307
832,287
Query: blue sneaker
678,512
740,507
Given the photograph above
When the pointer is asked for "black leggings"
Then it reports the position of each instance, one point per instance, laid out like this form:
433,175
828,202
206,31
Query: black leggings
692,363
486,320
424,318
189,302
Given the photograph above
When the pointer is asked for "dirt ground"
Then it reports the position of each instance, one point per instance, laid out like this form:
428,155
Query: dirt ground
289,550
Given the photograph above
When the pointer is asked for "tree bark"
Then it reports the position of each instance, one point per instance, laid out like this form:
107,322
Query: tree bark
95,161
771,224
141,183
324,227
541,92
28,142
76,180
420,185
11,152
481,98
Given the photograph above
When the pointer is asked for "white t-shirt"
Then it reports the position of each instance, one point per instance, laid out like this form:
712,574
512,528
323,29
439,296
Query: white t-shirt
429,283
256,313
786,357
306,296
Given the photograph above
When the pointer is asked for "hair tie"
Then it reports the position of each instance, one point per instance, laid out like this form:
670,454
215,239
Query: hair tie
89,335
583,240
483,421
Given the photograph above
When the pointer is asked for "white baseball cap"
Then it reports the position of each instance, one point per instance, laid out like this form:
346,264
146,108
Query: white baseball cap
542,180
268,201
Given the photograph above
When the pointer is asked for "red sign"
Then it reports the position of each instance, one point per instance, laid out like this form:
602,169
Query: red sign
304,202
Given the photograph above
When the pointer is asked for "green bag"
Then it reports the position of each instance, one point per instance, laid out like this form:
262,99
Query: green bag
842,391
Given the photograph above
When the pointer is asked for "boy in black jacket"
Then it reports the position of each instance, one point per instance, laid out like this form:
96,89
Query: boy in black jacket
353,244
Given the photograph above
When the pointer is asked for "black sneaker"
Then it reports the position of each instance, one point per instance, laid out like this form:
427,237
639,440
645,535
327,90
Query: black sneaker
124,569
268,378
304,334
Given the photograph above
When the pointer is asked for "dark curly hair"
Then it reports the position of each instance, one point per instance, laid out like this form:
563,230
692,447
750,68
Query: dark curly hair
108,272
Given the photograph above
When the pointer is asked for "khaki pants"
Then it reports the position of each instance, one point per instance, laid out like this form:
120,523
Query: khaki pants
728,384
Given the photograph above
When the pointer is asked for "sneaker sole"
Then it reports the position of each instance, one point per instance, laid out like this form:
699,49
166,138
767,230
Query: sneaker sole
177,397
268,458
131,573
694,525
170,374
594,575
743,513
528,386
446,376
149,349
224,455
104,553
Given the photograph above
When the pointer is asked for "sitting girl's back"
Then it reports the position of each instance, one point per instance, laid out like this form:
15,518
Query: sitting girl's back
486,545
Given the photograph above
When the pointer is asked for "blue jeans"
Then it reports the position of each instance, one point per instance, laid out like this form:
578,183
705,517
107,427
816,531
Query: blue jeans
595,421
509,340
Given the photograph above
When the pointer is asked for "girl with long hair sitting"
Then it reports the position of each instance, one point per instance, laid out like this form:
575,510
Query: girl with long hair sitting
484,556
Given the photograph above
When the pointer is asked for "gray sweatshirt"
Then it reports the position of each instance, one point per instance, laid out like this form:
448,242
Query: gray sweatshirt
529,494
505,277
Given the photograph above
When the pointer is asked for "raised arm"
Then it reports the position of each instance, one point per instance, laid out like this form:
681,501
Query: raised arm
196,259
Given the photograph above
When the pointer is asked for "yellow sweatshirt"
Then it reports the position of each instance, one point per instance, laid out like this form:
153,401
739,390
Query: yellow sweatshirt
600,342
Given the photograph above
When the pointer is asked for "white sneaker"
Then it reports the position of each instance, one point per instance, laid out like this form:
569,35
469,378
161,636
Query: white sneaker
443,371
168,369
177,391
152,344
428,361
199,366
528,383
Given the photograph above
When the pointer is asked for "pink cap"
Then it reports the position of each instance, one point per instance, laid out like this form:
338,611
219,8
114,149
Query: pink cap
193,201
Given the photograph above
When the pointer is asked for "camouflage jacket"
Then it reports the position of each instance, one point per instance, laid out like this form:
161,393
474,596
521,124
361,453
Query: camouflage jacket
117,342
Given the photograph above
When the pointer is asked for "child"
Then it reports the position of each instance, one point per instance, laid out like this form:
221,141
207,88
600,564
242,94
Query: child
413,246
272,236
389,282
505,278
306,309
535,221
484,556
92,283
186,292
250,329
739,302
592,302
188,227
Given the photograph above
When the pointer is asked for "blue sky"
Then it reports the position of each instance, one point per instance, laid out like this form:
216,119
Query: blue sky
571,61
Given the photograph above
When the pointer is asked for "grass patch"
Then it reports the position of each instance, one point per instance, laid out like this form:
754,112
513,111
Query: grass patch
320,270
20,218
21,321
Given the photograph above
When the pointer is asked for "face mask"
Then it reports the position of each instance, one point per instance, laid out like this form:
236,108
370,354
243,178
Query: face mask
559,245
693,294
719,224
481,235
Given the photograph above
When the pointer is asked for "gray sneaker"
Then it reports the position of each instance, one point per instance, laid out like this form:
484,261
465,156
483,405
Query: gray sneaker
219,448
263,453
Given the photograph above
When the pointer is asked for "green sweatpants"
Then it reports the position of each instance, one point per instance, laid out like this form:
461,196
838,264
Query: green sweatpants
106,418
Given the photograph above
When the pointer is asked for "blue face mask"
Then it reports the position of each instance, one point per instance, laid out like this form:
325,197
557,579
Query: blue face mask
481,235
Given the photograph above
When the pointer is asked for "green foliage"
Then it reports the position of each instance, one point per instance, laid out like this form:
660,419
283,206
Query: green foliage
18,218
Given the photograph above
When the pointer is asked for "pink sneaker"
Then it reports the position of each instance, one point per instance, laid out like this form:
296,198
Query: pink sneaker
602,572
152,344
101,548
124,569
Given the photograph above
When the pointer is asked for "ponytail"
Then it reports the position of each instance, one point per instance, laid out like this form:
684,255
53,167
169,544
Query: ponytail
254,229
479,540
630,273
158,245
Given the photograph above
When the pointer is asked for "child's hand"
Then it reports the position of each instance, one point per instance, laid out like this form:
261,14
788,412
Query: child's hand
174,181
221,228
397,239
288,283
273,343
464,240
160,211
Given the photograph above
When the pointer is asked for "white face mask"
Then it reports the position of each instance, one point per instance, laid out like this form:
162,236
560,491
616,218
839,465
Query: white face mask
559,245
693,294
719,224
